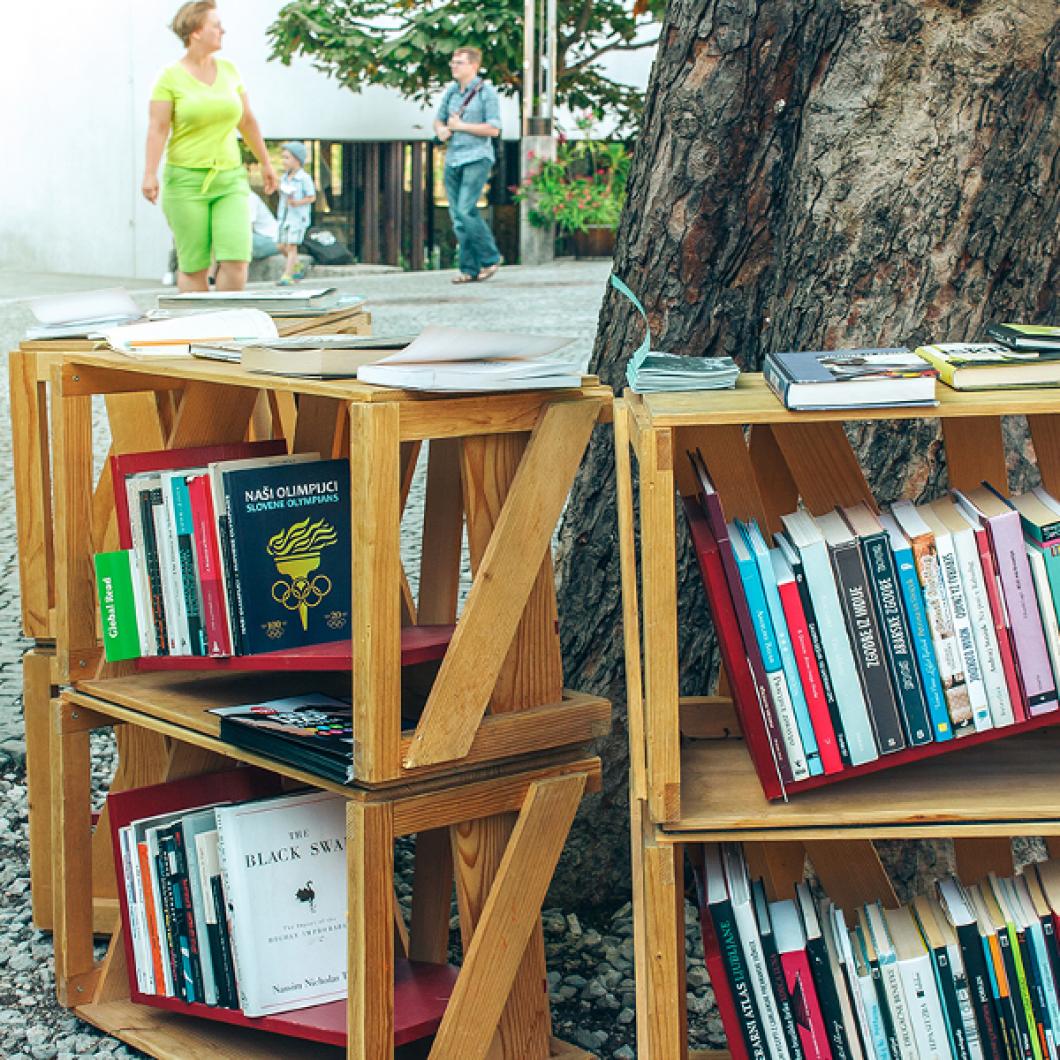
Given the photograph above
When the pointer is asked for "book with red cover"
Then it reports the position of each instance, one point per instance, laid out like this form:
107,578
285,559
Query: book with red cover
208,553
791,944
809,674
421,991
750,707
126,464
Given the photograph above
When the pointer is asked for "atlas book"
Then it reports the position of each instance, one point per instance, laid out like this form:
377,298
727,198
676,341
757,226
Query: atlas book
850,379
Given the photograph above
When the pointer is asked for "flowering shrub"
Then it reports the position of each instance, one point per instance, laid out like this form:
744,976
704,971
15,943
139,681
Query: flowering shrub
584,186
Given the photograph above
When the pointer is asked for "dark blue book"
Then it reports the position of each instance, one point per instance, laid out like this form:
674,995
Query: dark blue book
289,534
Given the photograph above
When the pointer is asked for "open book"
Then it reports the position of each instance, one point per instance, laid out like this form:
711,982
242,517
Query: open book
173,337
460,359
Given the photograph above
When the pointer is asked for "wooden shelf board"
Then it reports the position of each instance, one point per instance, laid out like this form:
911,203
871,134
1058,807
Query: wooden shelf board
419,644
751,401
1007,787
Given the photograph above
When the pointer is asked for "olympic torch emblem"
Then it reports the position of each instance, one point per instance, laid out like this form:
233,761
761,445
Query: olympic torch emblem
296,552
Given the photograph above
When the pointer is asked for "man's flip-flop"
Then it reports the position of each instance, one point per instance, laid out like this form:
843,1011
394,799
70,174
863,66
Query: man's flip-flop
488,271
463,278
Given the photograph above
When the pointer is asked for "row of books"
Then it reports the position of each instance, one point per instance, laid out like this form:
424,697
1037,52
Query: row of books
239,905
226,550
1020,355
967,972
857,636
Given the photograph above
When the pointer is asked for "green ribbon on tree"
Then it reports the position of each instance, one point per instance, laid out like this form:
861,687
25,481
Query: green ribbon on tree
644,348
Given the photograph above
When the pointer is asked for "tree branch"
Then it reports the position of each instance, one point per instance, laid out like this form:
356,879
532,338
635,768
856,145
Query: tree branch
615,47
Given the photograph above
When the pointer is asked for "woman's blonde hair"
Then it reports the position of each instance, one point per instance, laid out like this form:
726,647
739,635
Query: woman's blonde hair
190,17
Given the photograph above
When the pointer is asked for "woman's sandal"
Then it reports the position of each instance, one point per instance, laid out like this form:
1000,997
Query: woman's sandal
489,271
462,277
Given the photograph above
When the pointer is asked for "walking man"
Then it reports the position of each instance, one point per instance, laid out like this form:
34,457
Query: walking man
468,121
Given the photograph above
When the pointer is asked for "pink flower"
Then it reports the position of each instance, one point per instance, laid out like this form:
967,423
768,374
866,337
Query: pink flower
531,155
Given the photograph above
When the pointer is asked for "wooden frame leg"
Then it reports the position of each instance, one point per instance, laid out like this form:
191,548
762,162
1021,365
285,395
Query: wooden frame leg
370,862
496,1010
37,692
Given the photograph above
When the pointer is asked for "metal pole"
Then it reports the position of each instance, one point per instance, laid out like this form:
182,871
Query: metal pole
529,66
551,50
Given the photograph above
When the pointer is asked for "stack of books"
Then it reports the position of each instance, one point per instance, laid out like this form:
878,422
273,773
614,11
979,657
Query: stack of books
276,301
858,636
226,550
965,972
1021,355
658,372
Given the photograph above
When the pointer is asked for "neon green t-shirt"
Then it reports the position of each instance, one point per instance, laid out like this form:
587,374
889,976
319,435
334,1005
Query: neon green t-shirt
205,117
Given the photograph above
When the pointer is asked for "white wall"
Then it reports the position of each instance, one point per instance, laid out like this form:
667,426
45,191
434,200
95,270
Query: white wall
75,78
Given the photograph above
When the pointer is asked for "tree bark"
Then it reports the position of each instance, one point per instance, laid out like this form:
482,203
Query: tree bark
815,174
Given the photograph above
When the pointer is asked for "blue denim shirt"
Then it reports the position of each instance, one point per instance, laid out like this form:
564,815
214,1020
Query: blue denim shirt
463,147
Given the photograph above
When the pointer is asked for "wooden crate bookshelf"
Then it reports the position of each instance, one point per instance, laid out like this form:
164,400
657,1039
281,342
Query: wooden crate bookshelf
691,778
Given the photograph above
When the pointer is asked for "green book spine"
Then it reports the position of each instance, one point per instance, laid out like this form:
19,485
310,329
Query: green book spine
117,606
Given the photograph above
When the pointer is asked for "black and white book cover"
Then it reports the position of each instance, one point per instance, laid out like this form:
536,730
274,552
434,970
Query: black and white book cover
284,867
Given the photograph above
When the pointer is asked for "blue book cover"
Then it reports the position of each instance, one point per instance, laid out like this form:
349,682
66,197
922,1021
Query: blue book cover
920,632
756,543
289,531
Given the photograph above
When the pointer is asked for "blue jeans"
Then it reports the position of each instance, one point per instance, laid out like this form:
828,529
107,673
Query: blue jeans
463,186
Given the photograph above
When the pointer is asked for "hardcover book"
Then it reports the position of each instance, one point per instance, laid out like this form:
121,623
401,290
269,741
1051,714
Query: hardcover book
290,951
289,528
787,1003
791,945
1026,336
988,366
876,1030
875,926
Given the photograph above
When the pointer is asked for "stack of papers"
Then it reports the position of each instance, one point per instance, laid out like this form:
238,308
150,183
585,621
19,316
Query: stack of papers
81,315
656,372
461,360
277,301
173,337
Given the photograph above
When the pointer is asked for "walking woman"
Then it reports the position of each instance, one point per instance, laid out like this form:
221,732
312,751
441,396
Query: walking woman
196,107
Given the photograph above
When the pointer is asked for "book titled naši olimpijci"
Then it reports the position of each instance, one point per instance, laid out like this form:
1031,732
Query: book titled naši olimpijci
847,379
851,637
966,971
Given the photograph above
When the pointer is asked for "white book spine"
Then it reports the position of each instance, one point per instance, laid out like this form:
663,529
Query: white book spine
964,1002
789,732
133,906
761,984
877,1034
173,589
1046,607
141,579
962,624
849,970
903,1029
925,1008
983,630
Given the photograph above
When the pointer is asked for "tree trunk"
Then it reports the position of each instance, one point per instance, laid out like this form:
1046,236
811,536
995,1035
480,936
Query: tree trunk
816,174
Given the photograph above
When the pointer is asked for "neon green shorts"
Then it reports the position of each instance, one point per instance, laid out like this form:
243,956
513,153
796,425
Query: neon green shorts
214,222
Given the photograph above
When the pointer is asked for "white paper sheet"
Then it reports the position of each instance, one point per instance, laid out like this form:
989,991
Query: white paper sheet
113,303
171,338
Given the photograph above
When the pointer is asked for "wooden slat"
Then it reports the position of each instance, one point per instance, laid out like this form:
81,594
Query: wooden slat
212,414
1045,433
432,894
33,492
376,571
370,860
823,465
509,568
851,873
317,426
284,414
508,921
779,493
443,525
37,691
532,672
977,858
727,458
630,604
659,582
410,452
780,865
975,452
75,610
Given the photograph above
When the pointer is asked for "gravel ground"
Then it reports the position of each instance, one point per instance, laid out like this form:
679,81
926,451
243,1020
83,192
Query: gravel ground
590,956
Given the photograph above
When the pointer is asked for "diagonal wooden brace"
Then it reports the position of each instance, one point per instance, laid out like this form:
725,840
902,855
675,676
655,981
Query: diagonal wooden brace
512,909
505,579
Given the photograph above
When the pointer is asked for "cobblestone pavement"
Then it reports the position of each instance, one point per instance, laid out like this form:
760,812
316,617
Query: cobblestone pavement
590,963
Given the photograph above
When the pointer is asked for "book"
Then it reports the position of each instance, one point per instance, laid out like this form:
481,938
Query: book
806,662
844,379
215,907
918,985
738,646
877,1031
658,372
313,732
832,924
856,601
807,540
117,604
134,899
178,508
770,652
868,951
875,926
80,314
1040,520
1010,554
786,1002
296,359
948,651
894,626
987,366
289,537
919,630
191,826
173,336
290,952
791,946
952,549
1026,336
1033,883
1043,593
732,989
460,359
275,301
